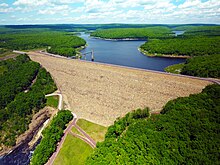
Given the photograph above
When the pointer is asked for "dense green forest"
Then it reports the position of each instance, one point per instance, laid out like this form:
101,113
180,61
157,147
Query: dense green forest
137,33
23,87
199,30
51,135
189,46
63,51
202,66
18,75
59,42
186,132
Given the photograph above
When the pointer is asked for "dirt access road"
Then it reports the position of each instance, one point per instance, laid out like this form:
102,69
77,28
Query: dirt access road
101,93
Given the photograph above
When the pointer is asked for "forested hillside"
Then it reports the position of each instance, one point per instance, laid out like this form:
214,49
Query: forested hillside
201,30
186,132
135,33
59,42
203,66
23,86
186,46
196,41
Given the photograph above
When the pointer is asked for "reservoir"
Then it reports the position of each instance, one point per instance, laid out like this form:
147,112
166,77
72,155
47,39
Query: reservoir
124,53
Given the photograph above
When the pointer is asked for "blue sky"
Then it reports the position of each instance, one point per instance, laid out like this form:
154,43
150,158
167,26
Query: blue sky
109,11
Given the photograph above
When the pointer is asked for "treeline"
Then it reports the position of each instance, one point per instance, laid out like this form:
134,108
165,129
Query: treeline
19,75
202,66
186,132
51,136
121,124
25,99
58,41
87,27
136,33
188,46
199,30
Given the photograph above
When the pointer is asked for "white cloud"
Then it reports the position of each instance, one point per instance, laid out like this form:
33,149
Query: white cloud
4,5
31,2
190,4
44,2
62,9
97,6
78,10
70,1
125,11
6,10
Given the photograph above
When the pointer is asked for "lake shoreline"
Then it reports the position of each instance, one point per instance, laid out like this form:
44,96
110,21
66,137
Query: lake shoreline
119,39
141,50
162,55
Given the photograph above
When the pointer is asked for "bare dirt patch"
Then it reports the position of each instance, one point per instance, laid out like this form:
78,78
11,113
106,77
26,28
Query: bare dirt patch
101,93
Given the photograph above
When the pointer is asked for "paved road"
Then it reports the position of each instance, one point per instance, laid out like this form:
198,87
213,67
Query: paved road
83,138
92,142
153,71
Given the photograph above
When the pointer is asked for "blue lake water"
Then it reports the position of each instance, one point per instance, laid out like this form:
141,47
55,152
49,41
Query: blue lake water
178,32
124,53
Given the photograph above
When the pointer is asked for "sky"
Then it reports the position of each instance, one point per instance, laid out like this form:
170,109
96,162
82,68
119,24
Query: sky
109,11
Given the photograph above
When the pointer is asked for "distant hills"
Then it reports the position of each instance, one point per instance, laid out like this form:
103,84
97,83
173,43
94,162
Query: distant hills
86,27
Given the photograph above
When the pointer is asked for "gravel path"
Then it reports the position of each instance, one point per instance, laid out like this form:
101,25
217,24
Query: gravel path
101,93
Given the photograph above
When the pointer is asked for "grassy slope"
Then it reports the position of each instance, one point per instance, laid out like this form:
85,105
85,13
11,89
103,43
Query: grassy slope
52,101
97,132
176,68
74,151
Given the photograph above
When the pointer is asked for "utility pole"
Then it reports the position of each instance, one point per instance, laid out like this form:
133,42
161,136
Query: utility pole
92,55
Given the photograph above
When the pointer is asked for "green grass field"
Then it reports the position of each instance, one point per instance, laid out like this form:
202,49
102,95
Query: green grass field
97,132
74,151
52,101
176,68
